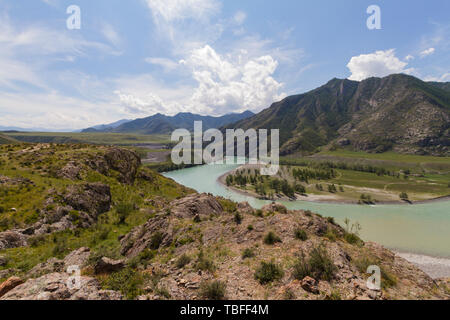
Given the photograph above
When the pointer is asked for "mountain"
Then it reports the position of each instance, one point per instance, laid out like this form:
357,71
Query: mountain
104,127
161,124
398,112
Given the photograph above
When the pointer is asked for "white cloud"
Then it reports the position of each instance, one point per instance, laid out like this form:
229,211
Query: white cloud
409,57
239,17
166,63
225,85
377,64
111,34
444,78
173,10
427,52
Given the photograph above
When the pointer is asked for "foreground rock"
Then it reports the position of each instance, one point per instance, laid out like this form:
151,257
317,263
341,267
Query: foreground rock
57,286
12,239
202,205
9,284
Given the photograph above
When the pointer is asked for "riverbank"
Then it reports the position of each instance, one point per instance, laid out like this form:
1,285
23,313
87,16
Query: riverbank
325,199
436,268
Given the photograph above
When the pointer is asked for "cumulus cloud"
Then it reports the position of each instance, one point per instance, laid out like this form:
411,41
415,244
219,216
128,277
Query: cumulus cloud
377,64
427,52
226,85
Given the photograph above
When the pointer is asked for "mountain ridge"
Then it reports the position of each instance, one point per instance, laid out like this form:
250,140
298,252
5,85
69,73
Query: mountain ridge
397,112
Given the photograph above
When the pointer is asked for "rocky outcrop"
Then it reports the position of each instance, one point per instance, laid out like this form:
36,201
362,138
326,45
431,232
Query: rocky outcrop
9,284
202,205
94,198
245,208
12,239
78,258
125,162
107,265
57,286
157,232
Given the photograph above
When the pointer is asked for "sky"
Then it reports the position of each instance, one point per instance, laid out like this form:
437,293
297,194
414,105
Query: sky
132,59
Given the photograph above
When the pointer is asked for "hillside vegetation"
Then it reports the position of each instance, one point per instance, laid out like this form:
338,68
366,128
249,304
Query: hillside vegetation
137,235
398,112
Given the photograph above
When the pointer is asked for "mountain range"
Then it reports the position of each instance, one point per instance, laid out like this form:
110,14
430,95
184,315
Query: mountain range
397,112
162,124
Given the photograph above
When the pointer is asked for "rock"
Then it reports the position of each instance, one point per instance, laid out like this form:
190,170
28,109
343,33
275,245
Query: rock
203,205
4,274
125,161
310,285
344,142
143,237
70,171
9,284
245,208
274,207
56,286
50,266
107,265
78,258
12,239
94,198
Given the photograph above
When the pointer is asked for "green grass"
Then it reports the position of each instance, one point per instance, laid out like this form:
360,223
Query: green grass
96,138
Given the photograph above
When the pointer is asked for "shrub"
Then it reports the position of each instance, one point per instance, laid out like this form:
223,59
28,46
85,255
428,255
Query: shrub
387,279
183,261
268,272
271,238
352,238
288,294
248,253
259,213
123,211
404,196
128,282
237,218
204,263
250,227
2,210
319,265
156,240
213,290
300,234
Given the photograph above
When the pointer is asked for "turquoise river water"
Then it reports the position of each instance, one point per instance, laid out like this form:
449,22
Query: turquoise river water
420,229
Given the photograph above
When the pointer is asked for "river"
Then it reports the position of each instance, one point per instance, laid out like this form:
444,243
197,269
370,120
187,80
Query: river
422,229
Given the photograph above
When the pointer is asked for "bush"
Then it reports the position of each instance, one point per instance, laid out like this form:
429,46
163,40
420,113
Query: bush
123,211
319,266
404,196
300,234
156,240
213,290
248,253
237,218
204,263
268,272
128,282
183,261
271,238
250,227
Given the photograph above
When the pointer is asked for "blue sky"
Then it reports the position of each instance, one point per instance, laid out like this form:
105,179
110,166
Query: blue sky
136,58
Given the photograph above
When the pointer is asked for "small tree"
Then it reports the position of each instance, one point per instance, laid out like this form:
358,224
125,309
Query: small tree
404,196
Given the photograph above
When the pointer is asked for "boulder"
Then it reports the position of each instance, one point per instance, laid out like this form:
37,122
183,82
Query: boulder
310,285
70,171
203,205
94,198
9,284
107,265
57,286
79,257
12,239
124,161
50,266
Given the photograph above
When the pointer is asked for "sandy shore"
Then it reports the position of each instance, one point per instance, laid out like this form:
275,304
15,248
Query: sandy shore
331,199
436,268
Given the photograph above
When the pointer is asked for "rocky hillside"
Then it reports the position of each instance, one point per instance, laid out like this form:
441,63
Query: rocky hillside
137,235
398,112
